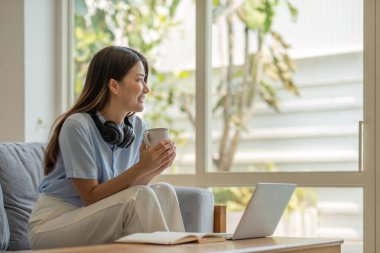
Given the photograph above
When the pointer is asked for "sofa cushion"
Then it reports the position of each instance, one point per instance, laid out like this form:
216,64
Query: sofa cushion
4,228
20,174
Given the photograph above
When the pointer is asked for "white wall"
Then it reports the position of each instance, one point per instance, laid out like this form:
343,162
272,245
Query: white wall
40,68
12,72
28,64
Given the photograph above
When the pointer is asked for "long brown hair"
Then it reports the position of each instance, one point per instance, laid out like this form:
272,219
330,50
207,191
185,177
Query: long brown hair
111,62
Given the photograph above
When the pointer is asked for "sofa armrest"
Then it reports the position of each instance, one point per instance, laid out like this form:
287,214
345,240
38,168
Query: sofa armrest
197,208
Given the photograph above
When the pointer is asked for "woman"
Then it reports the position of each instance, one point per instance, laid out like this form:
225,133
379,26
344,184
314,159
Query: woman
98,169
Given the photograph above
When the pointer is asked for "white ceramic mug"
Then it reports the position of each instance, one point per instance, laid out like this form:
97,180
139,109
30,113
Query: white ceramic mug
155,135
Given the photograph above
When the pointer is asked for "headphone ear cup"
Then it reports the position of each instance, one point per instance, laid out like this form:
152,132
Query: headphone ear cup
112,133
129,136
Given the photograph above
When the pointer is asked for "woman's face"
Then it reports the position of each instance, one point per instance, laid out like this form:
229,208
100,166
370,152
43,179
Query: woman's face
132,90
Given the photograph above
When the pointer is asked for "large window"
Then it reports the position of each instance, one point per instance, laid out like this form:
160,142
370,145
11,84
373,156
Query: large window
287,85
257,91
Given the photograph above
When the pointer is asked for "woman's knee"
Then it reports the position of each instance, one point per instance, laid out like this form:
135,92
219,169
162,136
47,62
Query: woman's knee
163,187
145,192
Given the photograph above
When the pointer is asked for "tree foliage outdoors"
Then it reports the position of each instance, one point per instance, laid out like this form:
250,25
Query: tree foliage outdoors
269,64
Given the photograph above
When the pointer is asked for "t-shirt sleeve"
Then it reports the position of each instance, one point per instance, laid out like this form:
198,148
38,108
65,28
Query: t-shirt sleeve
77,151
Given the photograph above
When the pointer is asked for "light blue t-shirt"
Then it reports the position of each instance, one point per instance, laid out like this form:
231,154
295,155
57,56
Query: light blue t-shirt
84,154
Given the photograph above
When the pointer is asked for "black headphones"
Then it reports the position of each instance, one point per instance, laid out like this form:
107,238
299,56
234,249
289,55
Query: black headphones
113,134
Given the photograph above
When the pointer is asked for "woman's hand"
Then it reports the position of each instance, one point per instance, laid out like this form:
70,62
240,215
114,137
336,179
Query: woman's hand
155,159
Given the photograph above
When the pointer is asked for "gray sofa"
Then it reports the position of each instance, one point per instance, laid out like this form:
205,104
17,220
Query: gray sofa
21,173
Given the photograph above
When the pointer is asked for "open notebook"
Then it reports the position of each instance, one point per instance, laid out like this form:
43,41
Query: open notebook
171,238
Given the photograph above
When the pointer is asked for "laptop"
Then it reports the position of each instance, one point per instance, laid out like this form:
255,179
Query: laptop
263,212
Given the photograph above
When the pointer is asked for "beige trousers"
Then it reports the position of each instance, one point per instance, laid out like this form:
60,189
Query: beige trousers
55,223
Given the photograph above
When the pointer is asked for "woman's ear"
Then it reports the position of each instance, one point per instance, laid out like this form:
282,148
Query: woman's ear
113,86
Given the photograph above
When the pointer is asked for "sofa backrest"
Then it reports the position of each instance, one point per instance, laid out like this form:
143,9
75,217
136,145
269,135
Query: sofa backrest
20,174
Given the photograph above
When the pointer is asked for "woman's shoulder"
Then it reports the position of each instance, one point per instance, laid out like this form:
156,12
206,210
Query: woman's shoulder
76,126
78,120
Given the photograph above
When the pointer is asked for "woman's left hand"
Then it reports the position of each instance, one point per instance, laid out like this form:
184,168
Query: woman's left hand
169,160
